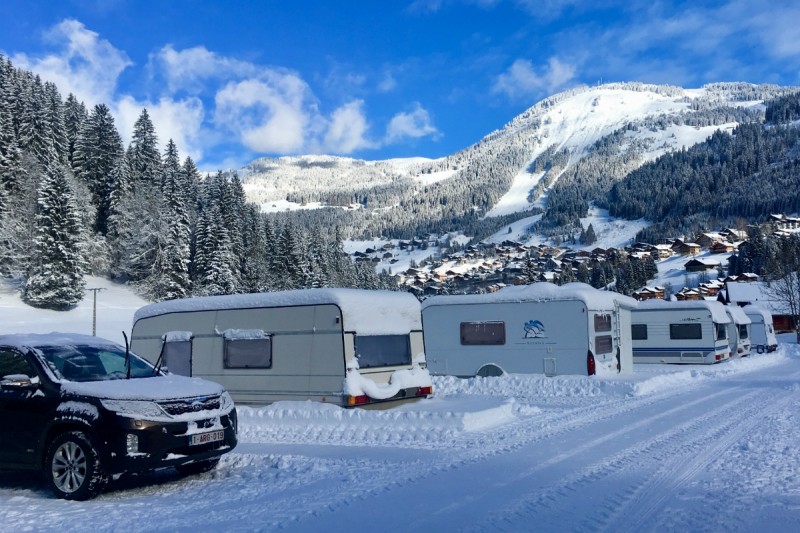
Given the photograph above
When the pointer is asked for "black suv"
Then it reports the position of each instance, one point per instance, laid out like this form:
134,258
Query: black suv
82,409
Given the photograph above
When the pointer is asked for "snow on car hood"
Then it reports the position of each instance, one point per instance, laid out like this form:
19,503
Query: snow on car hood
156,388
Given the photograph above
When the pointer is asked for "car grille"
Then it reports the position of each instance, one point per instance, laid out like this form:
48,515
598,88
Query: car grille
191,405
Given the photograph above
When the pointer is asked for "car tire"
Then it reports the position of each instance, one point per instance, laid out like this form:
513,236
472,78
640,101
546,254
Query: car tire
72,467
198,467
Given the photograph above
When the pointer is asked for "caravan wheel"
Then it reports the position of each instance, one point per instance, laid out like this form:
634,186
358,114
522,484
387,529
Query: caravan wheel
490,371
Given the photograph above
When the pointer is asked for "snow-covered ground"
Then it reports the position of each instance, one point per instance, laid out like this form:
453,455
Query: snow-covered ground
668,448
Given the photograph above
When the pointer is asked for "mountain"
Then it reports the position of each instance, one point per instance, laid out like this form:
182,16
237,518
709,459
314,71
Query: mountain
557,158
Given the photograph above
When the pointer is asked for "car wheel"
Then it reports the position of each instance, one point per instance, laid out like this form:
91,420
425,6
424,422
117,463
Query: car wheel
72,467
198,467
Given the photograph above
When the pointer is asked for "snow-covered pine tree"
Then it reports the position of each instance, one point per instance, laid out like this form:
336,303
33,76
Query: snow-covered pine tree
97,152
121,219
35,130
55,276
143,154
215,274
169,276
57,120
75,114
255,263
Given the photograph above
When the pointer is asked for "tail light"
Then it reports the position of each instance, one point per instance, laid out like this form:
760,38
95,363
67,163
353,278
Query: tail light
590,366
357,400
424,391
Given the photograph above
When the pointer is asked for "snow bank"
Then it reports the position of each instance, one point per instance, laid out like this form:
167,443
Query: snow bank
357,385
426,422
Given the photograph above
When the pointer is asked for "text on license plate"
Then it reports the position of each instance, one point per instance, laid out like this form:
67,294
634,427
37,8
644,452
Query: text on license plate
205,438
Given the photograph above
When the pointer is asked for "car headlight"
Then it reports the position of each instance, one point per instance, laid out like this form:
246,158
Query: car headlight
134,408
225,402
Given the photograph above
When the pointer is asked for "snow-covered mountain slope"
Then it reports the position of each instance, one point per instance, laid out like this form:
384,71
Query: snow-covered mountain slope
588,136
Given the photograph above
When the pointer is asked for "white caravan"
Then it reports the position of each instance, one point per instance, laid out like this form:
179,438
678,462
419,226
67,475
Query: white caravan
762,332
738,331
531,329
680,332
349,347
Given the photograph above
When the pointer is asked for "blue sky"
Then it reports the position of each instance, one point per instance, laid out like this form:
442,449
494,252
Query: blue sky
231,81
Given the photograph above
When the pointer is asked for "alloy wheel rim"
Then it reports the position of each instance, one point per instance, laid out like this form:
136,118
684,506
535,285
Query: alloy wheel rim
69,467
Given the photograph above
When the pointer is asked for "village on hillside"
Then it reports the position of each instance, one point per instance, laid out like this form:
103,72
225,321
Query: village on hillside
480,268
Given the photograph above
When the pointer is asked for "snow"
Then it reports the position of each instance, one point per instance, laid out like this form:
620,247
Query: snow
667,448
716,309
593,298
363,311
581,119
357,385
737,314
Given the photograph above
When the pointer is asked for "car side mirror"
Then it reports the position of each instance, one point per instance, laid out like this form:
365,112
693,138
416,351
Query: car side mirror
18,382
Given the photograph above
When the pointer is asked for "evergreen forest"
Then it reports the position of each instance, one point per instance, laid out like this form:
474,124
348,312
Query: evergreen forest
75,201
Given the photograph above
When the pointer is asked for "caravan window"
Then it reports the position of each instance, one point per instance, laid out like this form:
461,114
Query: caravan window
602,322
248,353
639,332
742,331
722,332
382,350
685,331
483,333
603,344
178,356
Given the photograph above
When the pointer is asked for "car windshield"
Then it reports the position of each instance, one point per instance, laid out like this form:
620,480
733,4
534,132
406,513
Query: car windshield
84,362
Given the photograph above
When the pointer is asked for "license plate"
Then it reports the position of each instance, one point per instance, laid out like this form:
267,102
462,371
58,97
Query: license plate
205,438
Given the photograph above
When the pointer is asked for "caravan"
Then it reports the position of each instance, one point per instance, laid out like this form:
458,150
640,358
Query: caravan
738,331
349,347
533,329
762,333
680,332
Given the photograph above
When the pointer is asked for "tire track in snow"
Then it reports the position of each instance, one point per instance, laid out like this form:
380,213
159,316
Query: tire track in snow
522,435
675,472
654,458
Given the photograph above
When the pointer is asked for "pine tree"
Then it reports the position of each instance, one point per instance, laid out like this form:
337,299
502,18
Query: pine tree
169,277
75,115
143,154
55,279
97,154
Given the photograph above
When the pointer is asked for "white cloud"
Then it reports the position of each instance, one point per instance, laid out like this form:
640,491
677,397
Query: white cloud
188,69
347,129
179,120
84,65
387,83
522,80
271,115
415,124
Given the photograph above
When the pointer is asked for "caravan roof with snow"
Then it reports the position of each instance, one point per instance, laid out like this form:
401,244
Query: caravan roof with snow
383,312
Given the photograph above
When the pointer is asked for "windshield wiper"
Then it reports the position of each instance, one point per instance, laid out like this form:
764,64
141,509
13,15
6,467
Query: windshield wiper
160,360
127,355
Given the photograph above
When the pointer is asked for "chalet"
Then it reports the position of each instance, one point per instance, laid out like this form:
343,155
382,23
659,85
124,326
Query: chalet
688,295
722,247
689,248
783,222
649,293
599,252
664,251
706,240
734,235
757,293
701,265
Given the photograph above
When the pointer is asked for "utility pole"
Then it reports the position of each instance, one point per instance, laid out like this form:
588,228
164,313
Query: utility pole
94,309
